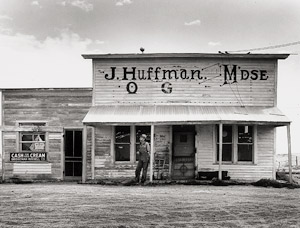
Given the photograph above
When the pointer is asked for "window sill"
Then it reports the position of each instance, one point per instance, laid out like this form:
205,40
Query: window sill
238,163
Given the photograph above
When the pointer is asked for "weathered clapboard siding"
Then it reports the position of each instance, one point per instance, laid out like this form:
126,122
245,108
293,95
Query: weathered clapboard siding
58,108
89,153
162,147
24,169
265,154
207,91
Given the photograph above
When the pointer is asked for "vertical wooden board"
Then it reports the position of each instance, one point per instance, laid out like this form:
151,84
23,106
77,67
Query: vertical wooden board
103,140
204,145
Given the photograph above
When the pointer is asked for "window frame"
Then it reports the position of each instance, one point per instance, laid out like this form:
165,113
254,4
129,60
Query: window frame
133,143
232,143
122,143
235,144
33,131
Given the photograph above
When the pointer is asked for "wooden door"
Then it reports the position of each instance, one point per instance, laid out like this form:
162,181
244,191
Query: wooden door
73,154
184,155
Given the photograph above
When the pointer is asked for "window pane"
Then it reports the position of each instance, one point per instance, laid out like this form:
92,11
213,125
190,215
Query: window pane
78,144
143,130
245,134
227,134
69,166
122,152
26,146
77,169
122,134
227,152
69,143
26,137
39,137
244,152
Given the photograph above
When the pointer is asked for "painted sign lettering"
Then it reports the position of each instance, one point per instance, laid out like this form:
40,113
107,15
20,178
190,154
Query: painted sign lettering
28,156
231,73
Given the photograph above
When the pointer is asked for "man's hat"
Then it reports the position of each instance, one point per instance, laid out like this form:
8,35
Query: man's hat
144,136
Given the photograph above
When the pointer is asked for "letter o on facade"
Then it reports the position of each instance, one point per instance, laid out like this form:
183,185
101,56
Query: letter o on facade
132,87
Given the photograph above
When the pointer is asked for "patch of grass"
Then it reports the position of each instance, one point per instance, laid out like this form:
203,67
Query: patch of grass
217,182
275,184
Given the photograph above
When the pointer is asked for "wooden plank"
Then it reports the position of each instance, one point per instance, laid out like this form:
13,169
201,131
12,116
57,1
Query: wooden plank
288,127
93,154
220,150
170,150
152,153
84,153
26,169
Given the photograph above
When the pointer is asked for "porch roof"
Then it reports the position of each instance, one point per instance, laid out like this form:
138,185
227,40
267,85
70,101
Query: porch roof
183,114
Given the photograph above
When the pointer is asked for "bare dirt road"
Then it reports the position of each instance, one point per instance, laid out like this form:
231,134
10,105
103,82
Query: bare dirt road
74,205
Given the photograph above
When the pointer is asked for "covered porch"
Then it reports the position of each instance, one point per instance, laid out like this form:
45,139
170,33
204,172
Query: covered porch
191,116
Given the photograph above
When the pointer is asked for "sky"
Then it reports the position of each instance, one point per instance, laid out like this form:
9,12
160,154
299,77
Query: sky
41,41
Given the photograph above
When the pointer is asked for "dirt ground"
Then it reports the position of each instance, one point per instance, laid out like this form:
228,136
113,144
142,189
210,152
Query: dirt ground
75,205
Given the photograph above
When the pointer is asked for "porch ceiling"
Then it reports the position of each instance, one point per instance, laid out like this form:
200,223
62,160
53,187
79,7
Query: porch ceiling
183,114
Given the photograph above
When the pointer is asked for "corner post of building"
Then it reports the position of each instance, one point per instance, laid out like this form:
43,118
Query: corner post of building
220,149
152,153
84,153
93,153
289,152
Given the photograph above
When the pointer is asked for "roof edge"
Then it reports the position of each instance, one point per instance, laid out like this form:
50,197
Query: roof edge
184,55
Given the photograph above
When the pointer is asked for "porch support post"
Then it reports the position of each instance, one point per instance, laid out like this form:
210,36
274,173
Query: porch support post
220,149
84,147
93,153
289,152
152,153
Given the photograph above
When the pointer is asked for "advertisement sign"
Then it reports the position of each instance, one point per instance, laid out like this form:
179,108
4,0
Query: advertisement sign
28,156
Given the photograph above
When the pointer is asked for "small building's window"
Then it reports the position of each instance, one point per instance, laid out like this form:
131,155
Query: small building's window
139,130
245,143
34,141
227,143
122,143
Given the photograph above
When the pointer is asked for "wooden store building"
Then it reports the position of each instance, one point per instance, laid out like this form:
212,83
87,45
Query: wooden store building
202,114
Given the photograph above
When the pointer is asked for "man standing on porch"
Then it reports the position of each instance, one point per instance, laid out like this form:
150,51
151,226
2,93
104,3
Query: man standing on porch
144,157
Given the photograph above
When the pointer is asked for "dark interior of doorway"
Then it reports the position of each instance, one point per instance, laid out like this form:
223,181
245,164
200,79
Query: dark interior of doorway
73,154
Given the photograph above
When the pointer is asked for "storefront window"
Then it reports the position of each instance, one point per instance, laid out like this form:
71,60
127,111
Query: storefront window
237,143
245,143
227,143
122,143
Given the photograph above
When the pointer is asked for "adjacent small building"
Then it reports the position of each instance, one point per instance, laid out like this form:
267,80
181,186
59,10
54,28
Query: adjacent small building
201,112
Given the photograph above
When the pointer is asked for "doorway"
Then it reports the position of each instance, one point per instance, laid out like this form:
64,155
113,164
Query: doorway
73,154
183,152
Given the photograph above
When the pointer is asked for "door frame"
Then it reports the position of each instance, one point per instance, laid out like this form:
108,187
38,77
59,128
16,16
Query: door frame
183,128
69,178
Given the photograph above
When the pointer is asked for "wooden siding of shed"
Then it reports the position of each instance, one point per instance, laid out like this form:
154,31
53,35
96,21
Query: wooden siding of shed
59,108
265,154
212,92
